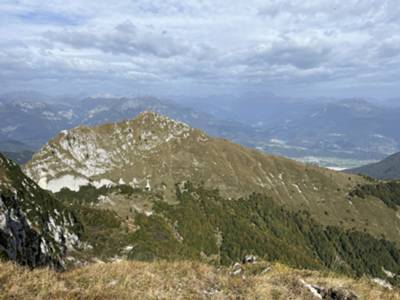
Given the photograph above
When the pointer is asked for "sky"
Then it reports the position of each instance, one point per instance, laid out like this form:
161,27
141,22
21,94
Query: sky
174,47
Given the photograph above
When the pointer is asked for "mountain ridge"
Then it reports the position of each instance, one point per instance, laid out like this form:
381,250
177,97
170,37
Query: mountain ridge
138,153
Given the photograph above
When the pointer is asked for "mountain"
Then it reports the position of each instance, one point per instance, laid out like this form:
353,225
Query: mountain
254,109
152,188
387,169
35,229
107,152
154,153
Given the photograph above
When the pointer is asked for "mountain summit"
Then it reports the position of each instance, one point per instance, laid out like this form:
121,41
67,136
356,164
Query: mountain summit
135,152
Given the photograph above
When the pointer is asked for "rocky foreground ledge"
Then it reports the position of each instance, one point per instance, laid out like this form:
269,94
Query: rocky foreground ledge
184,280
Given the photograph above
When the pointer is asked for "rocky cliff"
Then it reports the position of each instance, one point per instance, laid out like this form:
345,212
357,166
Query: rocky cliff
35,229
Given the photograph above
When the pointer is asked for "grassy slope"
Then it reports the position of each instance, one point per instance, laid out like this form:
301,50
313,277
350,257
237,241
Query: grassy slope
177,280
207,227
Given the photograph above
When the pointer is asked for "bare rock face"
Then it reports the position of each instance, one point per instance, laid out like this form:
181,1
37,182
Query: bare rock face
337,294
329,293
35,230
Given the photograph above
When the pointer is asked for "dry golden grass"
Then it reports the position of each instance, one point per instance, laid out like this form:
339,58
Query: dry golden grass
174,280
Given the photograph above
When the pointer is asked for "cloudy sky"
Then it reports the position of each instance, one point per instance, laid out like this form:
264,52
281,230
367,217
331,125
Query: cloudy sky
288,47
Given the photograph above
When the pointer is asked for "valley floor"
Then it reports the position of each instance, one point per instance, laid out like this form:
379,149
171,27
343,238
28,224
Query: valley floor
180,280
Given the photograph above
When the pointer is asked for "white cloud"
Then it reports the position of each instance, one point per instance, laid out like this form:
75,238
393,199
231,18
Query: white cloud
151,45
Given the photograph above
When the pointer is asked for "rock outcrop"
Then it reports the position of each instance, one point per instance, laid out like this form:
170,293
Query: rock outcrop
35,229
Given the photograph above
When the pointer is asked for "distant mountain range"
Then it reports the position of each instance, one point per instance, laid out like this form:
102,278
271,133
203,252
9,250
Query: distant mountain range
33,122
352,128
331,133
387,169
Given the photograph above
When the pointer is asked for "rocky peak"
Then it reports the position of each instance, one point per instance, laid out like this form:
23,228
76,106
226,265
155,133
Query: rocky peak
90,154
155,124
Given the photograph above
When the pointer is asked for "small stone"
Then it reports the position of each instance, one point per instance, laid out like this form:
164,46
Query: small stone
249,259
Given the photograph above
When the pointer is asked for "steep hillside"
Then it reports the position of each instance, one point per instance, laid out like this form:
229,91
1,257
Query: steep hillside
203,226
154,153
388,169
186,280
35,229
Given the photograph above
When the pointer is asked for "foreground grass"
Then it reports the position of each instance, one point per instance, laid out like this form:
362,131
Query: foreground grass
175,280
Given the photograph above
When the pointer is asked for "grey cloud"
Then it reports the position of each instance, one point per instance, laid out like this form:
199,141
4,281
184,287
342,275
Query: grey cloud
211,43
125,38
389,48
288,52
